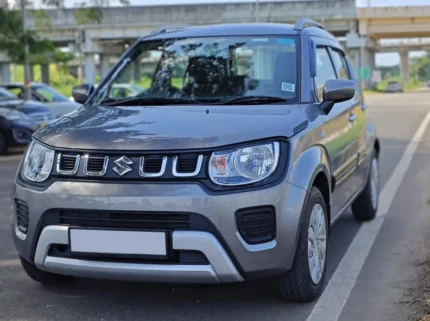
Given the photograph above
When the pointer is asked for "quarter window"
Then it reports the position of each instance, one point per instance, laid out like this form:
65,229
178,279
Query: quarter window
324,70
339,64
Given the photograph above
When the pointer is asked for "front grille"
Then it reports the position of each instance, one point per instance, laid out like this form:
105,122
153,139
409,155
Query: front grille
138,167
125,220
257,224
153,164
67,162
187,163
22,216
95,164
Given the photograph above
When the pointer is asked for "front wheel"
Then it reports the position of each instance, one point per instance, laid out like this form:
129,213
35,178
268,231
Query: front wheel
305,281
365,207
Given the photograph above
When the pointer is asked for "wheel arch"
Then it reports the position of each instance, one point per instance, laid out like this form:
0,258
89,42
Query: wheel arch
312,168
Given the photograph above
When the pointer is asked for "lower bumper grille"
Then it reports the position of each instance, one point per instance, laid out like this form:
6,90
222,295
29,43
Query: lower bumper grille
124,220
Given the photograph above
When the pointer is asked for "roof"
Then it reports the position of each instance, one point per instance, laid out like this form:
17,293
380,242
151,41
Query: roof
238,29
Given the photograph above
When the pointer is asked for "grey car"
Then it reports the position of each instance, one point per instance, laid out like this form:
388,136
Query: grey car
59,104
248,142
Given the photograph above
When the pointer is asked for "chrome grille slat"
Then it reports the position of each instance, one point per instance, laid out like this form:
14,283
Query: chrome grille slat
151,171
68,164
177,162
90,169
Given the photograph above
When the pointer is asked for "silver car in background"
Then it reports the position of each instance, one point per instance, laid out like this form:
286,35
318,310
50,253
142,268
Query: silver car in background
394,87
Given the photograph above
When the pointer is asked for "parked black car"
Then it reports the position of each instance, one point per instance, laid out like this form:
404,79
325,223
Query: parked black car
16,129
38,112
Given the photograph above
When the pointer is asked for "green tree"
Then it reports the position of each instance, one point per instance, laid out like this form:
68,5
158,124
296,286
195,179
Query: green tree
12,39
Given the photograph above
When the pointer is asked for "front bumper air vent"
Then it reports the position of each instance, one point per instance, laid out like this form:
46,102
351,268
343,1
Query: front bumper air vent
257,224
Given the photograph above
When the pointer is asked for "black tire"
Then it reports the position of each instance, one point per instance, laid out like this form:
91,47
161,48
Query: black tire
3,144
296,284
363,208
43,277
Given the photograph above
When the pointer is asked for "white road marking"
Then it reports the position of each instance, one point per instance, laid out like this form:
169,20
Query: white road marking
331,303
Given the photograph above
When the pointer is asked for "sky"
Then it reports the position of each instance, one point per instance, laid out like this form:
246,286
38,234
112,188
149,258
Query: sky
386,59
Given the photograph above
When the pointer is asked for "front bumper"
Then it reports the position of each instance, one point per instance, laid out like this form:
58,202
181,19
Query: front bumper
230,258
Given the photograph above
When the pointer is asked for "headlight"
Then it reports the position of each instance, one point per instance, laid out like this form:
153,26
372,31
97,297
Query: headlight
245,165
37,163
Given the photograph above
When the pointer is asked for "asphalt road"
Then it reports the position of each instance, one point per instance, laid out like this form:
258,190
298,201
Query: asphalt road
378,287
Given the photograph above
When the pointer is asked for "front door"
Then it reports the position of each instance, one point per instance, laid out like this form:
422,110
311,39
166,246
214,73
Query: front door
339,131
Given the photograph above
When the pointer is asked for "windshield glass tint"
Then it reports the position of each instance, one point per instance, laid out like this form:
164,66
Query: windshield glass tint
212,68
48,93
6,95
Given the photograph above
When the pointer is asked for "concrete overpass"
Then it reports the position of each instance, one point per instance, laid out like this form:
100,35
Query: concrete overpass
362,27
377,23
122,25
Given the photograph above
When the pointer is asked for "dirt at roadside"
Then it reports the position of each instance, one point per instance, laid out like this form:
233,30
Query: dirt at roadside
420,294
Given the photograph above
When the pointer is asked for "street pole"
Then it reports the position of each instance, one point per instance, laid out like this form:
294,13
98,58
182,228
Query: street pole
27,89
362,81
257,18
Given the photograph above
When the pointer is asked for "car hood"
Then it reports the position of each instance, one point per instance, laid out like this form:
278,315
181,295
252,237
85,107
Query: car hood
170,127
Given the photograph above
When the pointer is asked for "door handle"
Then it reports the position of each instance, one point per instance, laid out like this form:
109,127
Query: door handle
352,117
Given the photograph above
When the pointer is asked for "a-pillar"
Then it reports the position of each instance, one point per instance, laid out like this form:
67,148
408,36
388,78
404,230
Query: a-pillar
136,71
90,68
104,65
44,71
404,65
5,75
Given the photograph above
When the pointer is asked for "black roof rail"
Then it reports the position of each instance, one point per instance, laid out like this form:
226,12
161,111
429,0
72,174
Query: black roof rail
305,22
166,28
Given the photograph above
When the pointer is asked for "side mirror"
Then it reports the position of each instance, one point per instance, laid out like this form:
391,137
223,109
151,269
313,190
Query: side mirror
82,92
336,91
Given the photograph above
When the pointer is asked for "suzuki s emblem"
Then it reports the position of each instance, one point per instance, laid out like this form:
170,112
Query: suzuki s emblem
122,165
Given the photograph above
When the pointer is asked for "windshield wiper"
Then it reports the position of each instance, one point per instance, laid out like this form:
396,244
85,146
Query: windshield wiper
244,100
141,101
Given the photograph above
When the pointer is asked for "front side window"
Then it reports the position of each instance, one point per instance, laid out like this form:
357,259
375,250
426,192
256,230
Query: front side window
324,70
6,95
210,69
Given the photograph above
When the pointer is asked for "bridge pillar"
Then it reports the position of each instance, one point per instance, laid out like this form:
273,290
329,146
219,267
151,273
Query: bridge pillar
5,75
104,65
90,68
404,65
44,71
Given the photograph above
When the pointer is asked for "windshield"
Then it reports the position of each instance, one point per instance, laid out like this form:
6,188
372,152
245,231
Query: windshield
206,68
49,94
6,95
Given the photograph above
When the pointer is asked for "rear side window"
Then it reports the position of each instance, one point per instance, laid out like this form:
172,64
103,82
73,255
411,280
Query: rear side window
339,64
324,70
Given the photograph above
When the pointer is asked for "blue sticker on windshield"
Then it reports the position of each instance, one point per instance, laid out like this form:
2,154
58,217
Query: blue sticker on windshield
285,41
